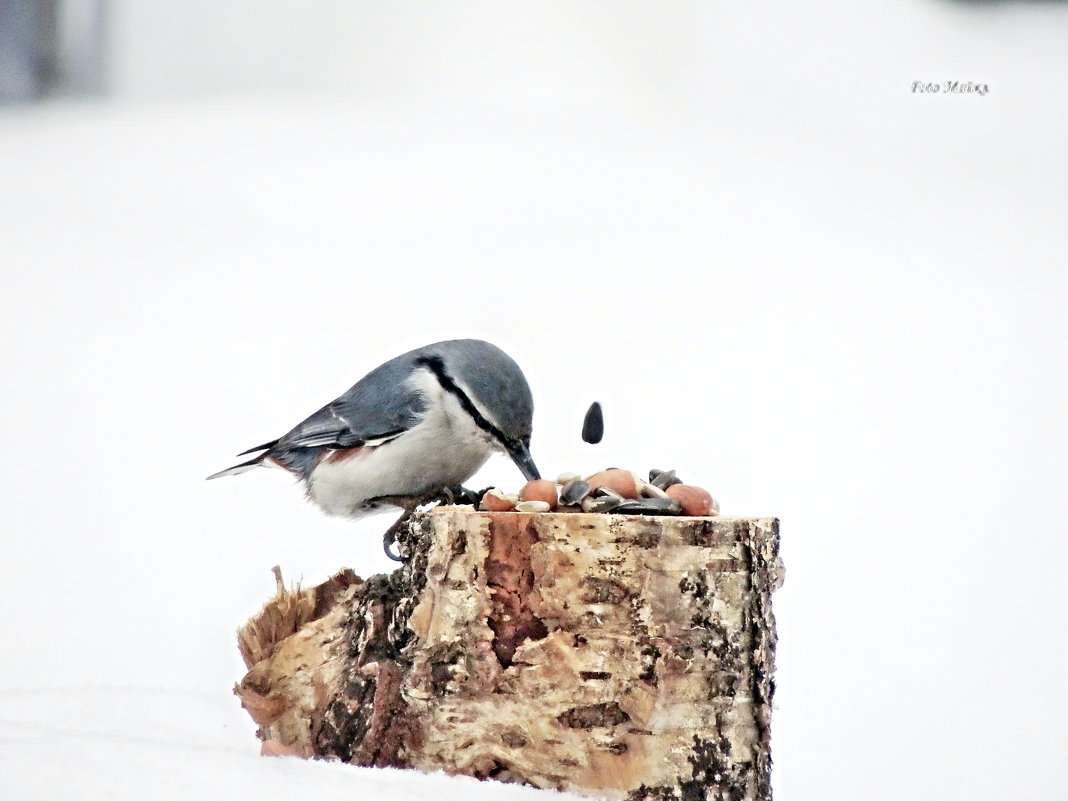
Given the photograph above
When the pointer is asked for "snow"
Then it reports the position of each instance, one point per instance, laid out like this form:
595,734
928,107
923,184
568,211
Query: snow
107,743
806,289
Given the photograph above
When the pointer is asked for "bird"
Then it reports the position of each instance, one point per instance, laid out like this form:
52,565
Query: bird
408,432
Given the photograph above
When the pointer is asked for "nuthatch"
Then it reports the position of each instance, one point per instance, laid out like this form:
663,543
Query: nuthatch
408,431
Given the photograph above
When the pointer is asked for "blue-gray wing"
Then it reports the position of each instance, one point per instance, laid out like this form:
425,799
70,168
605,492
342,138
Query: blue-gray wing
380,406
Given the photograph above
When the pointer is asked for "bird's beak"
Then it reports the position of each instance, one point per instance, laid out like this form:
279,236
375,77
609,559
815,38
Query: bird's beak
521,456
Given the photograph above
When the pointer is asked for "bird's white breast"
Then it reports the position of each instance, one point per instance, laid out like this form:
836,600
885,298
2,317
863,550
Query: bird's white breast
443,450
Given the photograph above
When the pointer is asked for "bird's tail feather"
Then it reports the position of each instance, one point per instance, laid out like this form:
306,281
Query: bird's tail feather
265,447
237,469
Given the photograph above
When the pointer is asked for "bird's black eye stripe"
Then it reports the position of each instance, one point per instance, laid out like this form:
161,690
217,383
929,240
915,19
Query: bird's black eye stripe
437,367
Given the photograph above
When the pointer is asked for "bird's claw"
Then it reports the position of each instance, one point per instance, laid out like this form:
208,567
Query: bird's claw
387,544
392,535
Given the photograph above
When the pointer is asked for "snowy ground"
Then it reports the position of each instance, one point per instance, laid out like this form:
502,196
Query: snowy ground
840,304
95,743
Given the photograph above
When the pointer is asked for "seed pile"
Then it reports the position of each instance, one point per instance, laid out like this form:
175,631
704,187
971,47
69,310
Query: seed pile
611,491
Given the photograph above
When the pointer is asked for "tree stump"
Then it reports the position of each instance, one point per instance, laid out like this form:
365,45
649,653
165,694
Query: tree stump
617,656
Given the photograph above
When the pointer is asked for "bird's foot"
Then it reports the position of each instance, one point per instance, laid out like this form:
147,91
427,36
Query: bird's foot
462,496
445,496
453,496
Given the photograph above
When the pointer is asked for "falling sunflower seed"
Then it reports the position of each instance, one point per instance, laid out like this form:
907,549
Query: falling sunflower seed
593,424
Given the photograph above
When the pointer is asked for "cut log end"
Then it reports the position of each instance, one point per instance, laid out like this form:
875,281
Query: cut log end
611,655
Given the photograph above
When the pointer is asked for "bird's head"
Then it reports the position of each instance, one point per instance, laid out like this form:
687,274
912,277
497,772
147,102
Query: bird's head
492,390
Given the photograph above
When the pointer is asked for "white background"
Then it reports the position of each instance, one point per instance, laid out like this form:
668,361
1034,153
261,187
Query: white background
815,293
